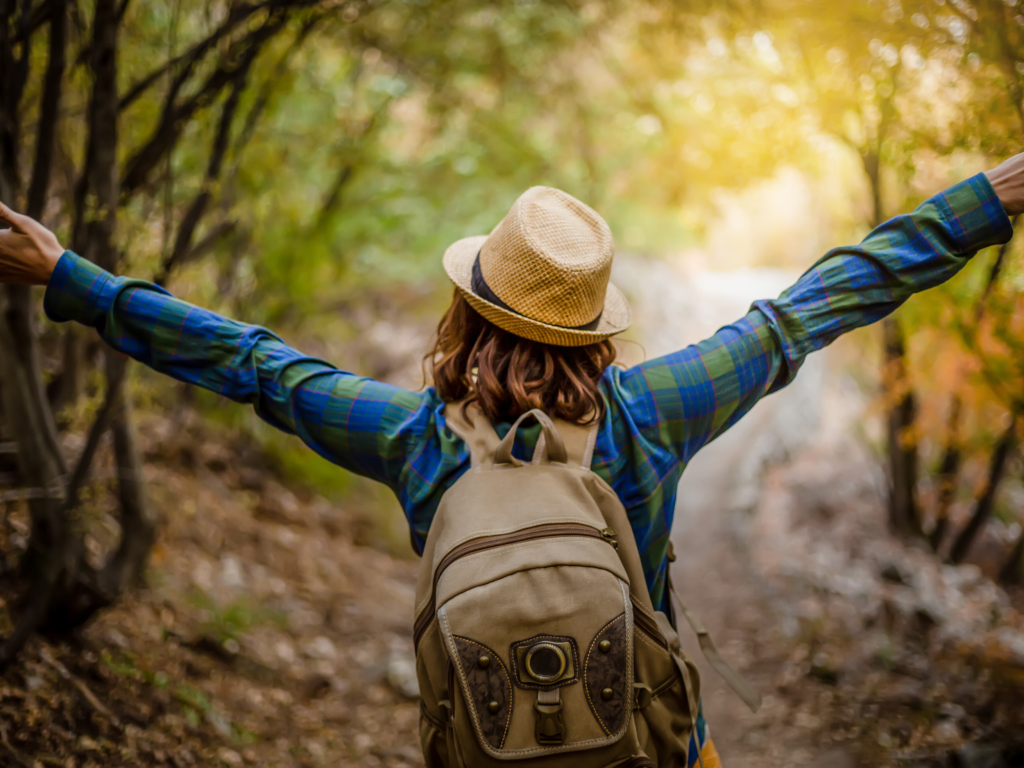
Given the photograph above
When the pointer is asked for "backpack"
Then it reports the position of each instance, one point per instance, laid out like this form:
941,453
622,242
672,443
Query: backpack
536,639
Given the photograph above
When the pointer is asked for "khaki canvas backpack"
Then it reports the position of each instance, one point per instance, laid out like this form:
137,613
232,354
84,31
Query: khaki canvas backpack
536,639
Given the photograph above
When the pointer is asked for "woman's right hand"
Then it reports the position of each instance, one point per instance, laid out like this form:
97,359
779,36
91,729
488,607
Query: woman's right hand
1007,180
28,250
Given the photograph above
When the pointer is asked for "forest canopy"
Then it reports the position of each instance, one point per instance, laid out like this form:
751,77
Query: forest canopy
303,164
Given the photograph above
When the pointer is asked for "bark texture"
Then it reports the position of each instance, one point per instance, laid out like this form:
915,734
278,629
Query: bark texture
983,508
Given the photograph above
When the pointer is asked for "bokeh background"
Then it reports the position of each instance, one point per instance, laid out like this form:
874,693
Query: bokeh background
204,590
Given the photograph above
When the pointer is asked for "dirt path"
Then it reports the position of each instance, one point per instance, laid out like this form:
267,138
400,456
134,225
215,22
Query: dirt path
719,492
867,652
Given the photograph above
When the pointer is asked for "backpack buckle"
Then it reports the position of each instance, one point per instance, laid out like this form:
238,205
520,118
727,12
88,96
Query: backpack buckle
642,695
550,730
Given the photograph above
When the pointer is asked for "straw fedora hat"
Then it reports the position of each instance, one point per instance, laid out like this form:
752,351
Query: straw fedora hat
543,273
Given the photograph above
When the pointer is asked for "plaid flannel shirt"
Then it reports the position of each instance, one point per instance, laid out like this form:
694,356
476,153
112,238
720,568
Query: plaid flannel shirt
659,414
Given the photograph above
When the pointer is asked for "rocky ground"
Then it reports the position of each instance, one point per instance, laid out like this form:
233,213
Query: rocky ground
274,628
267,634
867,652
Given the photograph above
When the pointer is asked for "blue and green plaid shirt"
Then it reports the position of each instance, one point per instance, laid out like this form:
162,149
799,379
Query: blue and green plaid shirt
659,414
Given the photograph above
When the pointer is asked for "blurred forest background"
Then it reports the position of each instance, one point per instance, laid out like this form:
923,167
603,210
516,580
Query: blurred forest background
184,585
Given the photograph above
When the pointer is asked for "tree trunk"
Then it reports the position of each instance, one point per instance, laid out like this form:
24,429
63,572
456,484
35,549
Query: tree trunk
137,524
65,387
49,111
903,515
983,509
902,448
53,554
948,474
1013,571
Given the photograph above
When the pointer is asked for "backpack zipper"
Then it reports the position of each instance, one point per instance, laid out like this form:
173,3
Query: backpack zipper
648,626
490,542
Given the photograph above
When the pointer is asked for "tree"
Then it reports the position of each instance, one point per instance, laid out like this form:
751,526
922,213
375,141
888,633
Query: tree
213,71
180,136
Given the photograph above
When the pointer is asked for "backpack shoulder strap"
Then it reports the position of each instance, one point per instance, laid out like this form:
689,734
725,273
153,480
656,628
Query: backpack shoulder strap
579,442
478,433
742,688
475,430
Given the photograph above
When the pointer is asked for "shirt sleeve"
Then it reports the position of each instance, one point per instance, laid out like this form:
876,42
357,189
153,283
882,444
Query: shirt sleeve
682,401
360,424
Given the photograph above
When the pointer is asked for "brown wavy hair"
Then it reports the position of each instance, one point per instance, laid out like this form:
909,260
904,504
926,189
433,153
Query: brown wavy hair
507,375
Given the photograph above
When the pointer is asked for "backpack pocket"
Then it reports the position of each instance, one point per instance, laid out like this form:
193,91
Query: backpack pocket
667,690
543,665
433,740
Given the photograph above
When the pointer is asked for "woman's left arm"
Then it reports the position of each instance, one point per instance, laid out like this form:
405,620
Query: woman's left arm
682,401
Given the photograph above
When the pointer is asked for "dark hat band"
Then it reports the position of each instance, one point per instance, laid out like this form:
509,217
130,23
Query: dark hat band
483,290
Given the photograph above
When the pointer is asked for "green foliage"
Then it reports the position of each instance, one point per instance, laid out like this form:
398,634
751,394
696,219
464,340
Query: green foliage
392,134
229,622
367,137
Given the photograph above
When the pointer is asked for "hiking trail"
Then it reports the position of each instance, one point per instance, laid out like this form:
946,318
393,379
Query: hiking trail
275,626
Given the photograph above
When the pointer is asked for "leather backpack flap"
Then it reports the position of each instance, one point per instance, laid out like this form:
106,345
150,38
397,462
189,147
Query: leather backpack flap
501,619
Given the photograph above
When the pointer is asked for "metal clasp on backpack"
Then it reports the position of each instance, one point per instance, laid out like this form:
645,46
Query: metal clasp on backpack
609,535
550,723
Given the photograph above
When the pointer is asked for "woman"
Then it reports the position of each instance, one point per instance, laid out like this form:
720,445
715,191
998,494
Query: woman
529,327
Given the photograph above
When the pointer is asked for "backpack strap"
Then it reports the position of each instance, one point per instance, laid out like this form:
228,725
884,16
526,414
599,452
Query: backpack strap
483,442
475,430
549,445
579,442
707,646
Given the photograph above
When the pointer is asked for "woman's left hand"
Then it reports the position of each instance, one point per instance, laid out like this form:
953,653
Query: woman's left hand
28,250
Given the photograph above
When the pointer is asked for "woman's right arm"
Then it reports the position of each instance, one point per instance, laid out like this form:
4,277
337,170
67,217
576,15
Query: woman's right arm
371,428
360,424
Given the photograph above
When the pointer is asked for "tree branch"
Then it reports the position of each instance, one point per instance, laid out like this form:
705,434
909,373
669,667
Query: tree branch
950,468
215,233
83,689
993,275
175,116
92,442
13,76
344,175
221,140
983,508
190,58
22,760
49,110
38,17
263,99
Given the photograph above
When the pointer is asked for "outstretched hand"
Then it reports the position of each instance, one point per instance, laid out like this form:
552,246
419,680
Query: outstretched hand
1007,180
28,250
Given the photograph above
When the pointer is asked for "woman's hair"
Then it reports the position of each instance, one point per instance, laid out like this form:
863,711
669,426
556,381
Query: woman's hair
507,375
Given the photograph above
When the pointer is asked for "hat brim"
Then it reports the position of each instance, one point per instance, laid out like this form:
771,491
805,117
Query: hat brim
458,263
